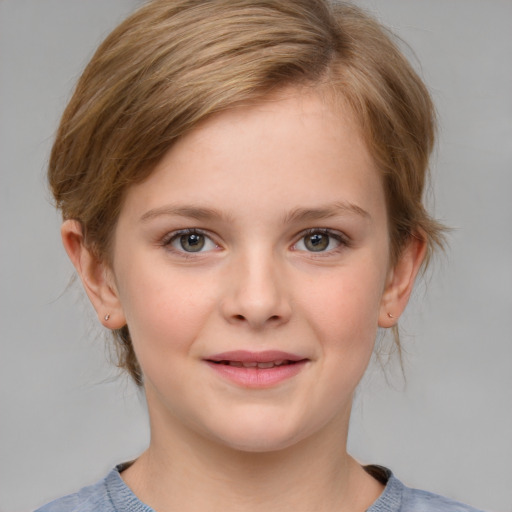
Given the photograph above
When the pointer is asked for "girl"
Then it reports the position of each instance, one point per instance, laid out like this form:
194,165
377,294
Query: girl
241,184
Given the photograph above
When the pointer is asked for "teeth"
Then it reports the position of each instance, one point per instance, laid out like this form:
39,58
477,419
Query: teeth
266,365
254,364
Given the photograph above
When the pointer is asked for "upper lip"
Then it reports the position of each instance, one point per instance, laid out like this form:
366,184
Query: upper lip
246,356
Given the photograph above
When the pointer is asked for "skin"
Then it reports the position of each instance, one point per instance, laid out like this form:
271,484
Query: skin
257,182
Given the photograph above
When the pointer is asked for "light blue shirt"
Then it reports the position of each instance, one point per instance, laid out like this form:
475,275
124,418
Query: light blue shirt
112,495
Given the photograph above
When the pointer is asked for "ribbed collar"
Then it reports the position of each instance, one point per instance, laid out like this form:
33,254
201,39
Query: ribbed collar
123,499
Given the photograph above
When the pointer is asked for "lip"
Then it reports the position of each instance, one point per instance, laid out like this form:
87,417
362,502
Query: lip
246,356
255,377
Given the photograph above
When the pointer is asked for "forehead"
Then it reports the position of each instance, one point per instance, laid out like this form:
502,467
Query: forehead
293,150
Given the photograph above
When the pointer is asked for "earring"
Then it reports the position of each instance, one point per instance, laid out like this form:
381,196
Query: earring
390,315
107,317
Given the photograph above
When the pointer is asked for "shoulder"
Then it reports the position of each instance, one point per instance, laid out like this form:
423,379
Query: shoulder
108,495
399,498
423,501
91,498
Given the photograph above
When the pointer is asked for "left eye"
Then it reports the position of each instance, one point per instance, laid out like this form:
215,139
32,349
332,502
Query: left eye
318,241
191,241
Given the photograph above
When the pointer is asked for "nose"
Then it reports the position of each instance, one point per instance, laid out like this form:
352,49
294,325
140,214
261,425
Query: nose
256,293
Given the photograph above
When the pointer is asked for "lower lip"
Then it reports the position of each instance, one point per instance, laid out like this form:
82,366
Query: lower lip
258,377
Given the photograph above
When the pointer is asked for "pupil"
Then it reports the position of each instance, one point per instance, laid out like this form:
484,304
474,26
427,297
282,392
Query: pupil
317,242
192,242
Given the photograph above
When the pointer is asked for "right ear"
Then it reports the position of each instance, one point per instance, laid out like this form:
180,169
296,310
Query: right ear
95,274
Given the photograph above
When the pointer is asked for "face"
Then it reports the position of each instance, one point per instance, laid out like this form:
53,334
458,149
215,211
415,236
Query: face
251,268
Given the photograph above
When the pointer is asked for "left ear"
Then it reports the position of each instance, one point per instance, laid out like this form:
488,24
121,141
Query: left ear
400,281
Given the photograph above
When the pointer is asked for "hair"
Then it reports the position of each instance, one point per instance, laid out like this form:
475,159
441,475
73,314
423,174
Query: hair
174,63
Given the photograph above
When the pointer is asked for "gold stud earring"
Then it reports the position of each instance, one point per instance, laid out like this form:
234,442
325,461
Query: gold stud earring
390,315
107,317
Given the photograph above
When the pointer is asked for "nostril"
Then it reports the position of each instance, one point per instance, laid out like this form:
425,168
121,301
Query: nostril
242,317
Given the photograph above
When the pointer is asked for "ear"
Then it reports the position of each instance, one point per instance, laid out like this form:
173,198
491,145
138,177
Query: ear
400,281
95,274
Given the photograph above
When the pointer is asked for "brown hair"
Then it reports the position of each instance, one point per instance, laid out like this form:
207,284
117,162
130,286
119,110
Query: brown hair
174,63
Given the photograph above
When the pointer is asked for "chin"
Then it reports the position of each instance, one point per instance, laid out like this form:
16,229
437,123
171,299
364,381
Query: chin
260,437
261,444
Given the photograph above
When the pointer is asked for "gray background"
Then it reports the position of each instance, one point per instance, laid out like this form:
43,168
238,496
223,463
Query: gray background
65,417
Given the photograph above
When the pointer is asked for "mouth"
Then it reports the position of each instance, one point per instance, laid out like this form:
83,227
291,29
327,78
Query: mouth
249,359
255,364
257,369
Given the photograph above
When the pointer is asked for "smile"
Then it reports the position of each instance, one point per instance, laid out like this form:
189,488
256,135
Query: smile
254,364
257,369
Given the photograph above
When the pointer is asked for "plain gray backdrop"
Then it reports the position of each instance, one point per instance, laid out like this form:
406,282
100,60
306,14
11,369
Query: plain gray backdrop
65,417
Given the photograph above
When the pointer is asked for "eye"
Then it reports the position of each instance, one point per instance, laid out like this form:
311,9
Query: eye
190,240
319,240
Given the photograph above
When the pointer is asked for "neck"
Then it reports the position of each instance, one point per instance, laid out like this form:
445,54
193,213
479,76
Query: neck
182,470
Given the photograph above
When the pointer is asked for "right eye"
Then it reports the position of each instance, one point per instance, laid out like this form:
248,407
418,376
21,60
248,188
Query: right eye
191,241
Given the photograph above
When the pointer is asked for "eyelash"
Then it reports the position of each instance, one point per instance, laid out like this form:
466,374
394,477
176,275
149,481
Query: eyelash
175,235
339,237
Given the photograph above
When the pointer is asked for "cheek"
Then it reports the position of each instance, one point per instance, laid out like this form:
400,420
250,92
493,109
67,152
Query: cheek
343,309
164,312
347,301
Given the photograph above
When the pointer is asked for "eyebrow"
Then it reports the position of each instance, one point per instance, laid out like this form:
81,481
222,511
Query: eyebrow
192,212
294,216
327,212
